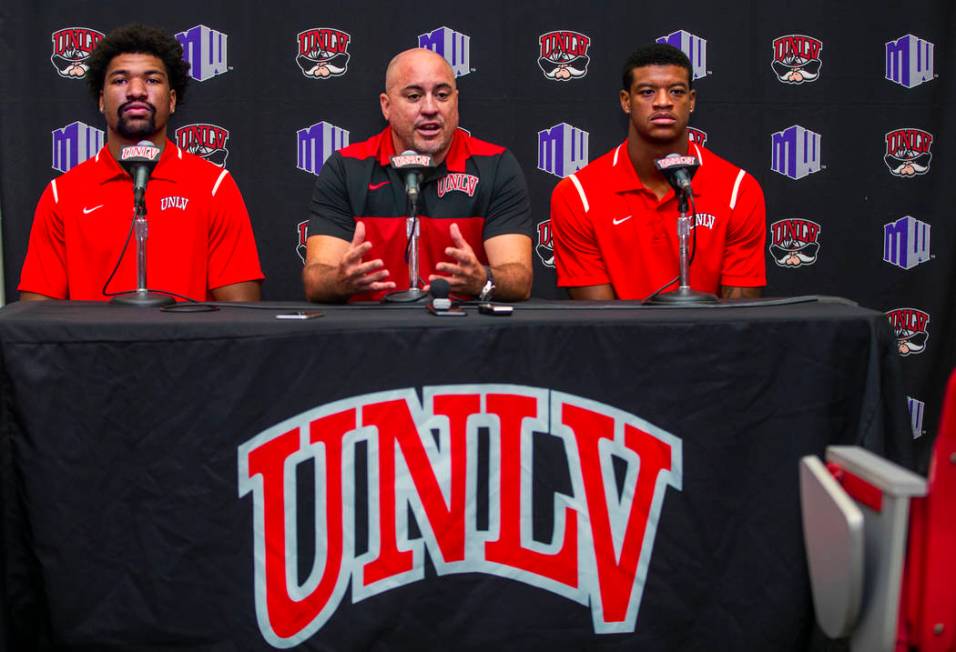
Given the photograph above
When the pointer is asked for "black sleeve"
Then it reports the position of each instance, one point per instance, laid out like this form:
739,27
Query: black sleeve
330,212
510,209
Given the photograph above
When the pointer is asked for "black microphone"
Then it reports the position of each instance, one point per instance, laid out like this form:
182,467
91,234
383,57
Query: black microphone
439,290
411,166
139,161
678,170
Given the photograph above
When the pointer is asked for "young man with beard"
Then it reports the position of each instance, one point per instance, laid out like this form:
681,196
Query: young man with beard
473,209
200,243
615,221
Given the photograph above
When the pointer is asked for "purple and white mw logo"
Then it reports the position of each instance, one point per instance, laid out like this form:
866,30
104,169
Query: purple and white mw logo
562,149
205,49
795,152
916,408
75,143
693,46
909,61
906,242
316,144
453,46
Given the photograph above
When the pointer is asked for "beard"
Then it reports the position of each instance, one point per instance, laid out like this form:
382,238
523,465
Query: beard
133,129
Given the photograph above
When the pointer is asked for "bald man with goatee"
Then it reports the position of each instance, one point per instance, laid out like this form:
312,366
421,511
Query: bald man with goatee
473,211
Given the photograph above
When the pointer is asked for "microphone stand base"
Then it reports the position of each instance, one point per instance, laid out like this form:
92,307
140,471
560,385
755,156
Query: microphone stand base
682,297
142,299
405,296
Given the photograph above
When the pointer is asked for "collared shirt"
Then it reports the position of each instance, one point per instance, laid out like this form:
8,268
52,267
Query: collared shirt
199,234
478,186
608,228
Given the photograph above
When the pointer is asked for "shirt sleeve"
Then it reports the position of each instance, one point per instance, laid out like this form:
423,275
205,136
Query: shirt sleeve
233,257
577,257
744,263
330,212
509,210
44,269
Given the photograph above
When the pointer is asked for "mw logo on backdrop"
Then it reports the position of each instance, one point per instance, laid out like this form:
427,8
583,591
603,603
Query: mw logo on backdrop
205,140
422,461
316,144
71,48
916,409
562,149
563,55
908,152
206,50
75,143
910,326
322,52
693,46
454,46
795,152
910,61
544,247
794,242
796,58
906,242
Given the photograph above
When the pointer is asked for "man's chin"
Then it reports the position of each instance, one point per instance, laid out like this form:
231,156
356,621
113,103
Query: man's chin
133,130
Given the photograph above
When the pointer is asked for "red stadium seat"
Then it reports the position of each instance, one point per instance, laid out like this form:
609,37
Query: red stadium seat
881,545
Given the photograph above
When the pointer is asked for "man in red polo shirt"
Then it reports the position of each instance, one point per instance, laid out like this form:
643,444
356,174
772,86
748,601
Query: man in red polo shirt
615,221
200,244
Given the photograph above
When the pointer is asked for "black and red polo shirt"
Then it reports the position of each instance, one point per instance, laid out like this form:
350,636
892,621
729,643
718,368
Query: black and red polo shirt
478,186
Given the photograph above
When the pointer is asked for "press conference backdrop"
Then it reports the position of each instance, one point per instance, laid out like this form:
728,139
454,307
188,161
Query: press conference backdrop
838,109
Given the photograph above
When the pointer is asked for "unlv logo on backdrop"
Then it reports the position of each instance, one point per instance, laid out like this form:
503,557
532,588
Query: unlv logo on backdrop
564,55
545,247
303,231
696,136
908,152
909,324
205,140
796,58
600,548
794,242
323,52
71,48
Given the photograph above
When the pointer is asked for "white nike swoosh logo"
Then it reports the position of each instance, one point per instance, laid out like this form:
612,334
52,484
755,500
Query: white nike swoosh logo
622,220
87,211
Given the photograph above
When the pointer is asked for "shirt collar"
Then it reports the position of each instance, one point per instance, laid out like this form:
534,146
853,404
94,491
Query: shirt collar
108,169
458,153
625,177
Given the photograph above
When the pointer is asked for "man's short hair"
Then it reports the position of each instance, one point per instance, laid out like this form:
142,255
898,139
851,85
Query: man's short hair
139,39
656,54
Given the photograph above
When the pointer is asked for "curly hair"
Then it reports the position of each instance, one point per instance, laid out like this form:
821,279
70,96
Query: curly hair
656,54
139,39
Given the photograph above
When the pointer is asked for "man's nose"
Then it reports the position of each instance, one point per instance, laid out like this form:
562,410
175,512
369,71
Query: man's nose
136,88
662,98
429,104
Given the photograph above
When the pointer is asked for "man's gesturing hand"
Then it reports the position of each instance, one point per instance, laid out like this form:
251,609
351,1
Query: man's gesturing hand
355,276
465,275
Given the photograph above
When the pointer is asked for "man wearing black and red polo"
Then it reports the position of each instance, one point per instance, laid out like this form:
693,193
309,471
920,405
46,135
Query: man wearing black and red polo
474,213
615,221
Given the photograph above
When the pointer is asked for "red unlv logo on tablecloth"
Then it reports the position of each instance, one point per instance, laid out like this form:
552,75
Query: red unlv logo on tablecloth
602,541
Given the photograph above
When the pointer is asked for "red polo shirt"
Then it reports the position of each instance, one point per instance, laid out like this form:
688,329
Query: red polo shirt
200,237
609,229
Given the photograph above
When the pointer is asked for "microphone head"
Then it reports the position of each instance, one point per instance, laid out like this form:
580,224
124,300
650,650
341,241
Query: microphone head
678,169
411,160
440,288
143,153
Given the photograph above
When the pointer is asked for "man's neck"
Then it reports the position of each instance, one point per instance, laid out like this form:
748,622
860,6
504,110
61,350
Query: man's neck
643,154
115,143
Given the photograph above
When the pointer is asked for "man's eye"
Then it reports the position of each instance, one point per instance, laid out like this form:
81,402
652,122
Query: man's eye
414,97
